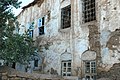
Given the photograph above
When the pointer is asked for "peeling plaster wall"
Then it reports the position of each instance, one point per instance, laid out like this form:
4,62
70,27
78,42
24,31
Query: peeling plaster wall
109,17
60,40
76,39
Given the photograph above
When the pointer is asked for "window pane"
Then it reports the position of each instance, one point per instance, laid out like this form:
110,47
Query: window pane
87,67
64,64
68,74
69,70
69,64
87,78
64,74
93,70
64,69
39,22
87,70
87,64
41,30
43,21
93,64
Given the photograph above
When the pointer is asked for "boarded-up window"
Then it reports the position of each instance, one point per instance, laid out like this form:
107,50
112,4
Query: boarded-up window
89,10
66,17
66,68
41,26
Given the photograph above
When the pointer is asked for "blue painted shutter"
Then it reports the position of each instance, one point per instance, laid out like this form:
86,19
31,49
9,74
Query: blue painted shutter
40,22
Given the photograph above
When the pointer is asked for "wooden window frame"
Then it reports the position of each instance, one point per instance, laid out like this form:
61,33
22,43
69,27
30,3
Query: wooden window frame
91,73
66,68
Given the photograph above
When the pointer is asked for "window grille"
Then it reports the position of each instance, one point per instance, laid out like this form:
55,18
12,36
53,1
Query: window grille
89,13
66,17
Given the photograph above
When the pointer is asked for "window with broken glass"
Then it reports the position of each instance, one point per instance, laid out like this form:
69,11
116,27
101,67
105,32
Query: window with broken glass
90,70
41,26
66,68
89,13
66,17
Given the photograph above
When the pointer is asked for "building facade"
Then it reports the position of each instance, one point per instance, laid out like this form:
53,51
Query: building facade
83,35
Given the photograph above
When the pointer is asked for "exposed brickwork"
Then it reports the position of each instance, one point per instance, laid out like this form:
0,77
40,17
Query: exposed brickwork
94,40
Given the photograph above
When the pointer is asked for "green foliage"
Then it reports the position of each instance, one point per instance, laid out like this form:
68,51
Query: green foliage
7,15
13,47
17,48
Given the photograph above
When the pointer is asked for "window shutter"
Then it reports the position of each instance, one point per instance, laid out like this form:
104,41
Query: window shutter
39,22
45,30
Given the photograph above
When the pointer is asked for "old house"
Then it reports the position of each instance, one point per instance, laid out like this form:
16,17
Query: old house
83,35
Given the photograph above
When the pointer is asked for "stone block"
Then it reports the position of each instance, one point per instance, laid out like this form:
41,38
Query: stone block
17,78
4,77
3,74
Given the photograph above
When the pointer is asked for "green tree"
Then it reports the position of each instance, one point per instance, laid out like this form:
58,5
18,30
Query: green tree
13,47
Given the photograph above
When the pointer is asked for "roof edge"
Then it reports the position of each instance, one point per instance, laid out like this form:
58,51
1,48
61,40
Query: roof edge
30,4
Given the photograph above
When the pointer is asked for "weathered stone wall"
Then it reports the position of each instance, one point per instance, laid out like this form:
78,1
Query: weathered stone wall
7,73
108,11
99,35
112,74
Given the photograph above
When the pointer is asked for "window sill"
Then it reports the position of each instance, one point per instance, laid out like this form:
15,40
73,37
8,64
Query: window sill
90,23
65,30
36,68
40,36
70,77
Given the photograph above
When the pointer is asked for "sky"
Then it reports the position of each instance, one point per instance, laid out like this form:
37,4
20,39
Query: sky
24,3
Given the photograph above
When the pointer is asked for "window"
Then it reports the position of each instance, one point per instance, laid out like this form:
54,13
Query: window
89,10
31,33
36,63
66,17
41,26
13,65
90,70
31,29
66,68
88,77
0,64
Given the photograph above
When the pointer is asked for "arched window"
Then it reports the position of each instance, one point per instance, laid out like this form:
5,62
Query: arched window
66,59
89,62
